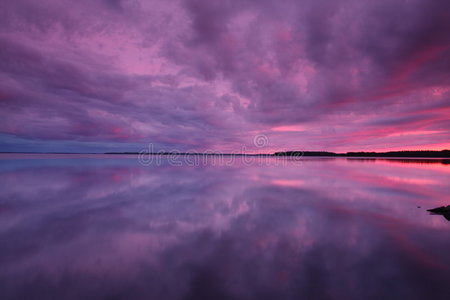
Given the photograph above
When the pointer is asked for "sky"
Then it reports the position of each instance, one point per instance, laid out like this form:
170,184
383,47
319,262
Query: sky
224,75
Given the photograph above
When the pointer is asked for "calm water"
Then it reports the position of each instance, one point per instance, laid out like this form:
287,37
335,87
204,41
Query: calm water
107,227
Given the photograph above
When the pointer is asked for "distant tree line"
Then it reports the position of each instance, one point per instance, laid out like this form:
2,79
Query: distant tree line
422,153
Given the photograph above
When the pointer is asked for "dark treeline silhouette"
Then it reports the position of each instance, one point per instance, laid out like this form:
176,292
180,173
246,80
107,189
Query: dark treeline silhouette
423,153
411,160
306,153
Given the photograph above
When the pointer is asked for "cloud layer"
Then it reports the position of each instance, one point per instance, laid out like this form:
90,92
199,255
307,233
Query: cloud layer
197,74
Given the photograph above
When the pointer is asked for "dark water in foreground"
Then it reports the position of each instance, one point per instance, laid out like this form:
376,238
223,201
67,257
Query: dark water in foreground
106,227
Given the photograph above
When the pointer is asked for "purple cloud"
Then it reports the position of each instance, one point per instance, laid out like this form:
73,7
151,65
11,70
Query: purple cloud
199,74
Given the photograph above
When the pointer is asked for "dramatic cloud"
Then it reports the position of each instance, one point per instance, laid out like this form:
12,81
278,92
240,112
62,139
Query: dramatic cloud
212,74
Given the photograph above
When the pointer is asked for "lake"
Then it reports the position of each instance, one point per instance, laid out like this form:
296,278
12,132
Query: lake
123,227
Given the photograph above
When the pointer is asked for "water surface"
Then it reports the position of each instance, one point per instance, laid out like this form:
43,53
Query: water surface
108,227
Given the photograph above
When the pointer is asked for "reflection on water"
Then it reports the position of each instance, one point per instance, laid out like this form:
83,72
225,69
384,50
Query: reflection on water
95,228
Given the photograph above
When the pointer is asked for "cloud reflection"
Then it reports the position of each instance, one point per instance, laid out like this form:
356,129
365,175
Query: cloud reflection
73,231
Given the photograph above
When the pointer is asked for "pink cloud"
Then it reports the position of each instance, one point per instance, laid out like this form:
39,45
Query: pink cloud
197,74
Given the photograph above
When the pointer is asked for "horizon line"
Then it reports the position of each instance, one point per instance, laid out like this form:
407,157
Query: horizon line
277,153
